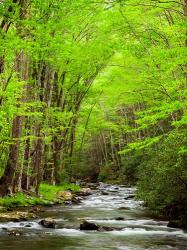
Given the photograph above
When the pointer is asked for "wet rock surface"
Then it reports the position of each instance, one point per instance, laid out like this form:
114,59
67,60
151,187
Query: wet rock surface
86,225
84,192
89,226
48,223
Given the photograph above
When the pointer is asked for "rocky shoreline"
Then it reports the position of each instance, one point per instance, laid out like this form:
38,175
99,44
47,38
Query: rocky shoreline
25,213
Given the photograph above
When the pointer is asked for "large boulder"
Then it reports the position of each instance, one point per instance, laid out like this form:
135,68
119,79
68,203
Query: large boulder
86,225
65,195
48,223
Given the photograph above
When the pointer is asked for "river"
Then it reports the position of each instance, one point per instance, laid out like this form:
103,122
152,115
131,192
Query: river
110,205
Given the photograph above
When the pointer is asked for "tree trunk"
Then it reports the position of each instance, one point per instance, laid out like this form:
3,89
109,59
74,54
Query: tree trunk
6,181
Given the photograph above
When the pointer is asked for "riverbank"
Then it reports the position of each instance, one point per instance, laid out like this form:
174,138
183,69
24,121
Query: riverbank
23,207
48,195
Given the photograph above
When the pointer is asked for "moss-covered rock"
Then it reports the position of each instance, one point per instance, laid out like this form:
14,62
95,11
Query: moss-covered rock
65,195
16,216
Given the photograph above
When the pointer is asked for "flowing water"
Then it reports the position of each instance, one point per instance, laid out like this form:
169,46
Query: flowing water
137,230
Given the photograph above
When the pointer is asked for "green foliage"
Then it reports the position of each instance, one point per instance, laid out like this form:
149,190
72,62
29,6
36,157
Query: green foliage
162,174
48,193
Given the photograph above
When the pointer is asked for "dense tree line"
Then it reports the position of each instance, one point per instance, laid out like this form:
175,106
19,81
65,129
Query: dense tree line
50,55
141,136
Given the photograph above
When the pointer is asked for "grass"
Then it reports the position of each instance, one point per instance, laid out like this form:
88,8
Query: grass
48,194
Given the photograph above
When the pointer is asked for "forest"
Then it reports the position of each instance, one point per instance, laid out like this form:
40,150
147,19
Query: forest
95,91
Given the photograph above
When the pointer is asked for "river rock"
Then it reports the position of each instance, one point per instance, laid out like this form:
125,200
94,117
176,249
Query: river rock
84,192
76,199
16,216
68,203
123,208
48,223
86,225
107,229
28,225
104,193
114,191
13,231
65,195
129,197
92,185
119,218
37,210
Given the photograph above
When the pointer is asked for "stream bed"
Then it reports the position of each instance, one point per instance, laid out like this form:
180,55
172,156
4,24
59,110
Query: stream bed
109,205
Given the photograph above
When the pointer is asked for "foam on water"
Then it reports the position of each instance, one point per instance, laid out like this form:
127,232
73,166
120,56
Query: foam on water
141,231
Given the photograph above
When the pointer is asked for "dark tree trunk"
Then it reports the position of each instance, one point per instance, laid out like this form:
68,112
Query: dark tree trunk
6,181
57,161
38,164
